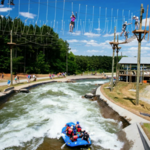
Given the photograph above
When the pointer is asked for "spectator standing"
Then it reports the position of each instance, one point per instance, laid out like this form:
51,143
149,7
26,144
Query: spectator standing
34,78
28,78
50,76
18,79
2,75
15,79
8,82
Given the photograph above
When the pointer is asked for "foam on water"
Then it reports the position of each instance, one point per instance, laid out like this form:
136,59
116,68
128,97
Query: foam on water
44,112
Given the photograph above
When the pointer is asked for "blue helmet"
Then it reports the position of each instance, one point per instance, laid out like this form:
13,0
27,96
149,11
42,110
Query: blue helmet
77,122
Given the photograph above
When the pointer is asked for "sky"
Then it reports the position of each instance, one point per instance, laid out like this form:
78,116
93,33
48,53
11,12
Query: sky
94,25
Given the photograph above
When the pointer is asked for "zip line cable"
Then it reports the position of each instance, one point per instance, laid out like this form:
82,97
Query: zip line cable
99,20
67,9
55,13
105,18
47,13
111,19
117,20
78,16
85,18
37,16
63,14
92,18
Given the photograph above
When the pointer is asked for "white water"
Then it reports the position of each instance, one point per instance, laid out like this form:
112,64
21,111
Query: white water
44,111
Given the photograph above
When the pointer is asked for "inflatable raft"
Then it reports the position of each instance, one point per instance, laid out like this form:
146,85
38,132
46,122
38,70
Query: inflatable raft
78,143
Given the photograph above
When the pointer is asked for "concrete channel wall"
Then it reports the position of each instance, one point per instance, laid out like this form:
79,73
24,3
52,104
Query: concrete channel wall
134,132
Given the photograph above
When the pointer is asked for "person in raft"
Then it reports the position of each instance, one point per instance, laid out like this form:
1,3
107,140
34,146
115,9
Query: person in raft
78,127
10,2
70,132
74,138
74,130
124,27
72,23
67,127
136,22
85,136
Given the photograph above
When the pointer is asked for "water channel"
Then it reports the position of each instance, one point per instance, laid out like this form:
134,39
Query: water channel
33,121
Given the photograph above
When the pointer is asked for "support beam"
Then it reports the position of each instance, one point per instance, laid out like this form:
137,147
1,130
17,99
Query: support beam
11,44
139,56
117,51
112,77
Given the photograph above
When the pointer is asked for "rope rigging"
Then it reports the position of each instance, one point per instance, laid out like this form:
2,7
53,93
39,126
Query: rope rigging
111,19
99,23
55,13
108,23
105,18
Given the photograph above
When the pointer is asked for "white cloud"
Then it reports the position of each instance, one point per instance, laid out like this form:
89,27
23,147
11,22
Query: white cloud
94,51
5,9
27,15
2,16
108,35
142,48
72,41
98,29
75,33
73,50
90,34
148,44
144,21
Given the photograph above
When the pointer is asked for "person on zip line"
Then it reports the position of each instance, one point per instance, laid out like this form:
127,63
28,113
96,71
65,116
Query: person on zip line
72,23
136,22
124,27
10,2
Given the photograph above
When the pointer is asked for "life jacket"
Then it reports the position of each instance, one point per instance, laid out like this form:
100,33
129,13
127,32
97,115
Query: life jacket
79,129
85,136
67,127
75,138
69,132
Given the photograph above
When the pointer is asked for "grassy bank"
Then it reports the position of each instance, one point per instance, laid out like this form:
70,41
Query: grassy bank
146,128
125,98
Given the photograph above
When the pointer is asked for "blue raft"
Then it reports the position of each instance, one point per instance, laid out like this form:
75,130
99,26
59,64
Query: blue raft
78,143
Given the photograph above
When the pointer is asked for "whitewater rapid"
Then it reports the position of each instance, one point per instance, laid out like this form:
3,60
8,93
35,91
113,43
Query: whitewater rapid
27,118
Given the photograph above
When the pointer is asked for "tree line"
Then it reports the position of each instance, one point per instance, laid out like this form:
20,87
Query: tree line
40,50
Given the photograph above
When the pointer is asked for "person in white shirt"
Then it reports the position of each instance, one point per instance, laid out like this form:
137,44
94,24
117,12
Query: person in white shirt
136,22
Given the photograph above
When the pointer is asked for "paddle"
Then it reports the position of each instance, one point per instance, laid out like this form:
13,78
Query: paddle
64,144
61,134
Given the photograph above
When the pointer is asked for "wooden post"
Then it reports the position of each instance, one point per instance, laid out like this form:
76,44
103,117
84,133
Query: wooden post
142,73
112,77
146,19
138,59
67,62
149,30
11,44
117,63
11,66
130,74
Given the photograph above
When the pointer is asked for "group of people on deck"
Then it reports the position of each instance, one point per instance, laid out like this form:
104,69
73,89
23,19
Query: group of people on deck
75,132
